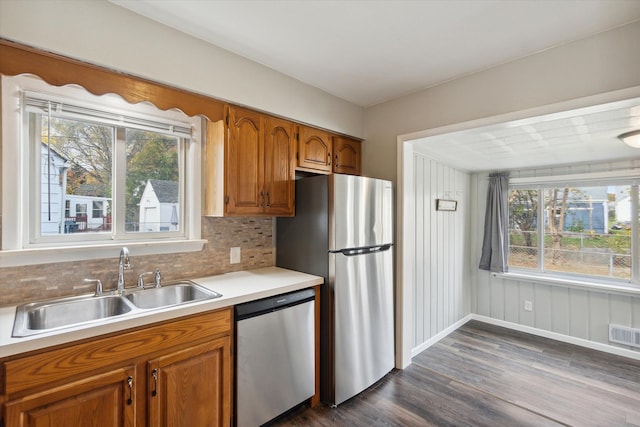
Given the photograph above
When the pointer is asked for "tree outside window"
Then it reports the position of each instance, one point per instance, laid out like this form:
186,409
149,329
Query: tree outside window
84,154
582,230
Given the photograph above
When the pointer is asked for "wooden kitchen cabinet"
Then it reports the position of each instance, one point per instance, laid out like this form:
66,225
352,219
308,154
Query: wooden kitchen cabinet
102,398
244,163
320,152
279,167
250,165
314,150
346,156
177,393
251,160
110,381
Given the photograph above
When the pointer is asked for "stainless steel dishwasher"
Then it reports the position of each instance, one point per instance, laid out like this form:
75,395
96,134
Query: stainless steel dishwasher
275,357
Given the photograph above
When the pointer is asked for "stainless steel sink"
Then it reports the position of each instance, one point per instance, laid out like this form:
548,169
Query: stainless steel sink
177,293
40,317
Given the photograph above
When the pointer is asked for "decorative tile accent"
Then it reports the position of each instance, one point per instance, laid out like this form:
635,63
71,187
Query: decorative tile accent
253,235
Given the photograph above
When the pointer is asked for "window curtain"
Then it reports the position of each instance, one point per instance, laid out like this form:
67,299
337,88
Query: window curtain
495,243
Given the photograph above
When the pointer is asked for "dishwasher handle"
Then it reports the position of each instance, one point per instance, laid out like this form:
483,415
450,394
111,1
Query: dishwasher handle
275,303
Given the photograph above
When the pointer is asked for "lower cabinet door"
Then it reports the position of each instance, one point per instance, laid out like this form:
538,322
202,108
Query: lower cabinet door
103,400
191,387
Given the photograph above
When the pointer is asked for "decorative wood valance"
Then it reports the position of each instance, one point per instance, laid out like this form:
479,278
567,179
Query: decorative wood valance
58,70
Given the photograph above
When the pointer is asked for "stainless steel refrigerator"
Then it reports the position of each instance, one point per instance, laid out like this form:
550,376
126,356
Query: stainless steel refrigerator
343,231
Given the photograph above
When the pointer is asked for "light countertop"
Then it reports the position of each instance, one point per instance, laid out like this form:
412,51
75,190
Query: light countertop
236,288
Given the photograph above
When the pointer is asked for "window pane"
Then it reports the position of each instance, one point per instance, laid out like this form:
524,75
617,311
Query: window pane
152,182
75,173
588,230
98,209
523,226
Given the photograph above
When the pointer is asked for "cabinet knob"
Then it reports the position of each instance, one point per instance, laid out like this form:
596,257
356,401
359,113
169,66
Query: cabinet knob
329,159
268,200
262,198
336,165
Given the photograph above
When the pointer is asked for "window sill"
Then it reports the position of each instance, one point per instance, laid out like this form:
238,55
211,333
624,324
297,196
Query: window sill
616,288
14,258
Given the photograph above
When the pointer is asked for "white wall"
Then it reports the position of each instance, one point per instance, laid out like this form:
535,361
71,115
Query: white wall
433,287
603,63
102,33
546,82
567,310
441,284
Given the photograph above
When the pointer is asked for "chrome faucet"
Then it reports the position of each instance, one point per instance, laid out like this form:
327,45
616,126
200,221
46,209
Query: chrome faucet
123,264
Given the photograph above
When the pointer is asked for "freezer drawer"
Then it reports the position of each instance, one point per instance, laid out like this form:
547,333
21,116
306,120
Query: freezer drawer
363,325
275,360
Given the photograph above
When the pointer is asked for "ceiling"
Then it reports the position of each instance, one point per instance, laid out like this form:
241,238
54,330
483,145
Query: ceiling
570,137
371,51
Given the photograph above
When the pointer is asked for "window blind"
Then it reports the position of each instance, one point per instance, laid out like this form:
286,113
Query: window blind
44,104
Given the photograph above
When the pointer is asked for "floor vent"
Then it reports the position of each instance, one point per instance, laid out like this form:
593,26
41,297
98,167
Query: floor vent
624,335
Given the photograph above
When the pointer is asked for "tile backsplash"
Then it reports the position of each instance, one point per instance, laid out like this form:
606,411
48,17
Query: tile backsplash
253,235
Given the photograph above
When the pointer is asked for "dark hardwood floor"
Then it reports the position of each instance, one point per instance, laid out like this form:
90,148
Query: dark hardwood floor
485,375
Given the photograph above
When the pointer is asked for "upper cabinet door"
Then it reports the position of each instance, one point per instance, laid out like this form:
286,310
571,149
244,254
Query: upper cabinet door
279,165
346,156
243,168
314,150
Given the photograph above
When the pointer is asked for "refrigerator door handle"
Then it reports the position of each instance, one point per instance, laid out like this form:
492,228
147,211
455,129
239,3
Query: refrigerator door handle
364,250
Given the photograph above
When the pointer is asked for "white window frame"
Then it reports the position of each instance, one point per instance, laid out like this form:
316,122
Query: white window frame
624,177
17,199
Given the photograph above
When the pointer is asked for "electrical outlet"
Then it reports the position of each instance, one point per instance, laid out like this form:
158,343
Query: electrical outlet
235,255
528,305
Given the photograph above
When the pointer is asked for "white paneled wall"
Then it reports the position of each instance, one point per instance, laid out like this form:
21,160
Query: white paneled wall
440,281
574,312
568,310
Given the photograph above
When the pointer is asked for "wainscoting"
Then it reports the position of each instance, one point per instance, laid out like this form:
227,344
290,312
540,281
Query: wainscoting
569,310
573,312
486,375
440,284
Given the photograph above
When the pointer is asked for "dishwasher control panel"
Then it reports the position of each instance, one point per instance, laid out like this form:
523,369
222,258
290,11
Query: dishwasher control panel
266,305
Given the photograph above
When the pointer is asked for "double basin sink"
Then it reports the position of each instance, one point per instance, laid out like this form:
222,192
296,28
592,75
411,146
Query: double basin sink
40,317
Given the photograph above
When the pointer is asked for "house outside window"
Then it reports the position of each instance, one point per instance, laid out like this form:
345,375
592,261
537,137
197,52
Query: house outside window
81,209
84,148
584,230
159,206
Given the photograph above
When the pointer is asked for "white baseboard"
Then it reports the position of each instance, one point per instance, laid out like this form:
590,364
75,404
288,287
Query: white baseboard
434,339
530,330
556,336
